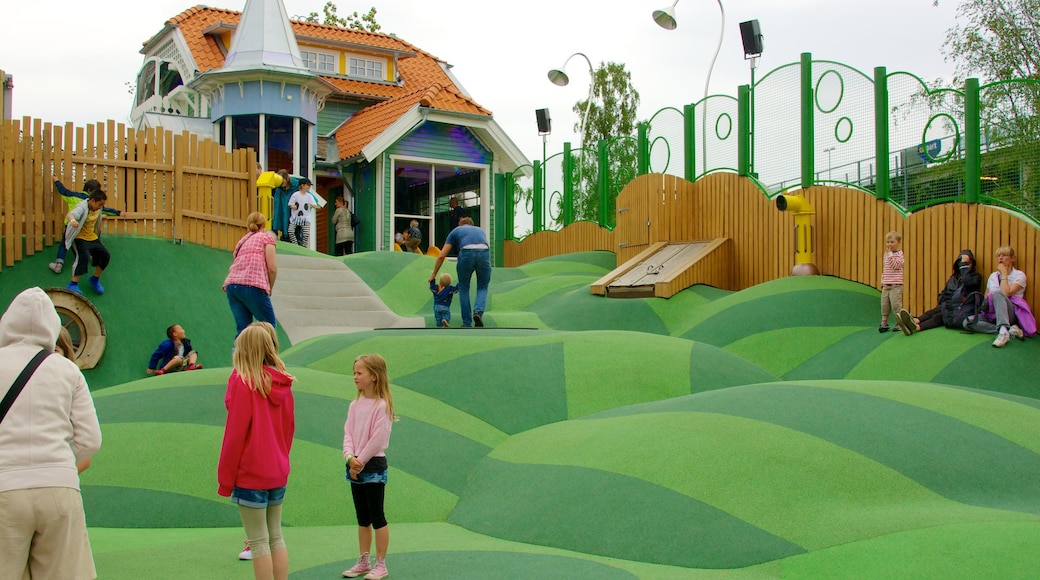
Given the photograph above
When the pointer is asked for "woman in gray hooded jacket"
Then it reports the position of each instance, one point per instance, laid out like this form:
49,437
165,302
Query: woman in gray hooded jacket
47,437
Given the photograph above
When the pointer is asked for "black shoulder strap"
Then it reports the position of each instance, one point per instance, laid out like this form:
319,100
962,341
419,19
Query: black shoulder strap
19,383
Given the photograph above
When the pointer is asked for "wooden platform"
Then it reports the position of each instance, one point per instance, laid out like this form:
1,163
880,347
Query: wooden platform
665,268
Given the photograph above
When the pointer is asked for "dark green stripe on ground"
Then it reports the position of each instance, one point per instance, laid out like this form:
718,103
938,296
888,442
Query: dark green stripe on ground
127,507
472,564
786,310
957,460
512,389
549,505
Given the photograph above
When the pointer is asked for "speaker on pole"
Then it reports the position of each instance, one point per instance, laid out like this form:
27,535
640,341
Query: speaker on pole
751,35
544,122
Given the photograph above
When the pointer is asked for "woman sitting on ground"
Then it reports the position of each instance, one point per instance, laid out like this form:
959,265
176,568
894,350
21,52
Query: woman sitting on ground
964,276
1006,312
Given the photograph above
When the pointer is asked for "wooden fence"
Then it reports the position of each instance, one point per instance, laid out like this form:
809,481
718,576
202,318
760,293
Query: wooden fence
849,231
171,186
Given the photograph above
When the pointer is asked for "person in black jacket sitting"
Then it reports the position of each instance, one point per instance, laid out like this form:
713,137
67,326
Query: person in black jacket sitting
964,277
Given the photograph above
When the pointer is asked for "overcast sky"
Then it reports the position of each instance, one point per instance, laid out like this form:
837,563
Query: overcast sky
71,59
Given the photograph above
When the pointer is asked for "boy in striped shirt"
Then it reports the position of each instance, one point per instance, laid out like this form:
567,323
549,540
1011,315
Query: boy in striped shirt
891,279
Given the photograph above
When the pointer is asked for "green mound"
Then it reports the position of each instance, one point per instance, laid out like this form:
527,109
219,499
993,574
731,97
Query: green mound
703,536
461,563
127,507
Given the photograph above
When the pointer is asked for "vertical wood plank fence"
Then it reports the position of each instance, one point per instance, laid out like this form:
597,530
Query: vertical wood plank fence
171,186
849,230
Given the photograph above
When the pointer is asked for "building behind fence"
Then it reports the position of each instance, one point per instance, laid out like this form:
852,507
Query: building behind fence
171,186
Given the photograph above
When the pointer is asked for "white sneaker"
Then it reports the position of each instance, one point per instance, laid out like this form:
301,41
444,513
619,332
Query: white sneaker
246,554
1016,332
1002,339
55,266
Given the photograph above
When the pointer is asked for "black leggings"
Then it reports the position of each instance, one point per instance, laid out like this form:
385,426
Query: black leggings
86,251
368,503
931,319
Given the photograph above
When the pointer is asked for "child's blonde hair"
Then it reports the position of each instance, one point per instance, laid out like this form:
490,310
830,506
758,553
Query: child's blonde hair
254,348
445,279
376,365
893,235
64,344
1006,251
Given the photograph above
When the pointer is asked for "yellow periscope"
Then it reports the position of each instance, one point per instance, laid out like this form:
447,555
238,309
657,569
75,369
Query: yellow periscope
267,181
803,233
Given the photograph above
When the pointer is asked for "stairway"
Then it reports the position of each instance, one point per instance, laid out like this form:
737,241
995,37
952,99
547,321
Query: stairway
316,296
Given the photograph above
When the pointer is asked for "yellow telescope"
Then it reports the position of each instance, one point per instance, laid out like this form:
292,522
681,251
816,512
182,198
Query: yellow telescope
804,238
267,181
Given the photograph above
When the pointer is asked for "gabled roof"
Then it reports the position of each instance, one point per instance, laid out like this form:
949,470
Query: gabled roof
425,82
418,71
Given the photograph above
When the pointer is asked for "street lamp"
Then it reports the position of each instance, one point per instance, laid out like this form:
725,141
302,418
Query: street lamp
665,18
560,79
828,151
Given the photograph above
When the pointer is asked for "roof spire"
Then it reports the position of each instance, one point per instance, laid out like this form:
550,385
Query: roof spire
264,39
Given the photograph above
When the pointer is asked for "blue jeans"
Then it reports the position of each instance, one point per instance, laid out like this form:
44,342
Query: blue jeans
247,303
441,312
470,261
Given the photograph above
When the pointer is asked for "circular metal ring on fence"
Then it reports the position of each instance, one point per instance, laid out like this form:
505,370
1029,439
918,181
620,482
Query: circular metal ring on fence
956,137
555,201
667,157
84,324
843,122
529,205
729,126
841,91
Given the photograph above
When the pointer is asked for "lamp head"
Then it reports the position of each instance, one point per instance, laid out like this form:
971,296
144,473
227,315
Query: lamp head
558,77
665,18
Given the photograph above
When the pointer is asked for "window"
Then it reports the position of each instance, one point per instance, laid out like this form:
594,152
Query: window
371,69
319,61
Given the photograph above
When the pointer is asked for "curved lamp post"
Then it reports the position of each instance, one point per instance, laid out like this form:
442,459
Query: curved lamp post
665,18
560,79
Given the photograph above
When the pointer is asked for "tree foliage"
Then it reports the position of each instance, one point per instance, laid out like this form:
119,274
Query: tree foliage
366,22
612,118
998,42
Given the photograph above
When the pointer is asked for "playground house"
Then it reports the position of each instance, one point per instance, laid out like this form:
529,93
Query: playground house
364,115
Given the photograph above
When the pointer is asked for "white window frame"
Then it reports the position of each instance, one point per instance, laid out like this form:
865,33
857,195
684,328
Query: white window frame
485,191
366,62
325,62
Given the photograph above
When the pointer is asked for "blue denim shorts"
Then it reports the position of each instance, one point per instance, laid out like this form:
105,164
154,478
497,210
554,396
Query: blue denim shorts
370,477
258,498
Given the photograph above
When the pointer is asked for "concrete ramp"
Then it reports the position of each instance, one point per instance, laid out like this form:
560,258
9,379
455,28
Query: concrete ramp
317,296
665,268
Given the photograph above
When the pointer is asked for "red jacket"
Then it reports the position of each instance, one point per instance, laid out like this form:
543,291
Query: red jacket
258,435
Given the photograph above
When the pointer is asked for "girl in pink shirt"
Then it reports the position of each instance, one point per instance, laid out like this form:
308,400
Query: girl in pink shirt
366,435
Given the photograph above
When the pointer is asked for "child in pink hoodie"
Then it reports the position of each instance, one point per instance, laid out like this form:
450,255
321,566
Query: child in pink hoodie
254,458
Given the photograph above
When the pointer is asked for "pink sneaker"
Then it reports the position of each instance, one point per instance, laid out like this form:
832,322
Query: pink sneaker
361,567
378,572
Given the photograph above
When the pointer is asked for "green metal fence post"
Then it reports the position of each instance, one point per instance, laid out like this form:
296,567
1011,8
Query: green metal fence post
642,150
538,193
503,211
602,182
972,142
743,130
808,135
690,142
568,185
882,184
509,221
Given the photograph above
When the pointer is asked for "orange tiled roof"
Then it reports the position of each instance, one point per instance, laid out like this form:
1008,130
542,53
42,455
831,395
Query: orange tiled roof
422,70
371,121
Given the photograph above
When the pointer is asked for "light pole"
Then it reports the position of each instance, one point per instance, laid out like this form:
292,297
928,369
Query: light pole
665,18
829,150
560,79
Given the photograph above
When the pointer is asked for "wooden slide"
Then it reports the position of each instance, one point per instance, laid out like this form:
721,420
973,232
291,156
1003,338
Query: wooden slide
661,270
